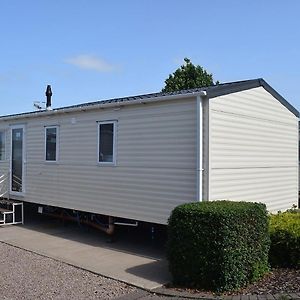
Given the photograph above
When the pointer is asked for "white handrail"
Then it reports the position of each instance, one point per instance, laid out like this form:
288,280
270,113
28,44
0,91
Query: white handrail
4,185
17,179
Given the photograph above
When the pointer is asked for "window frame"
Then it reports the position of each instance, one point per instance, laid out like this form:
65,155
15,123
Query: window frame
114,160
56,147
4,138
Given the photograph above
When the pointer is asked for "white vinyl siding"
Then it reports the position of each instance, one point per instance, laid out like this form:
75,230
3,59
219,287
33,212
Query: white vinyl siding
156,161
253,150
250,153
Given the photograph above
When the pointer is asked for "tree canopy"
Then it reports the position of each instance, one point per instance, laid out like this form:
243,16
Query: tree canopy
188,76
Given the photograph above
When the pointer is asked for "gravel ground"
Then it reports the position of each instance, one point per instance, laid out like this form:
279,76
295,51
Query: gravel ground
25,275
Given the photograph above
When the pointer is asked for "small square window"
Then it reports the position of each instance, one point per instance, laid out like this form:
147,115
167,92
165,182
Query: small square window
51,147
106,142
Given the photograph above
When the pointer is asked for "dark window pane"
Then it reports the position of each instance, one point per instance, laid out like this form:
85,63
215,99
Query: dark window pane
2,146
106,138
17,160
51,144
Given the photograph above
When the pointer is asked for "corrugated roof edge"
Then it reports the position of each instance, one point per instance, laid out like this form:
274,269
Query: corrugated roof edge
212,92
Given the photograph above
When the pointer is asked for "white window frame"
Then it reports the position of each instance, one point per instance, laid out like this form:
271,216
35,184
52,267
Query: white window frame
114,161
57,144
5,148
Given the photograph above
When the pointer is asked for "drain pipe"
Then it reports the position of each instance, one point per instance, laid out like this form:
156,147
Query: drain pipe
199,131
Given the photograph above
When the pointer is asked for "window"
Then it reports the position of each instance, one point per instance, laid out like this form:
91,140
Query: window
2,145
106,142
51,148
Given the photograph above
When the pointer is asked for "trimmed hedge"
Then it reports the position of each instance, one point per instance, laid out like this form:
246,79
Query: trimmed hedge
285,239
219,245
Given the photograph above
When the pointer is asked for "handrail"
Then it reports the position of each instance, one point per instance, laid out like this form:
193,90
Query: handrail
17,179
4,185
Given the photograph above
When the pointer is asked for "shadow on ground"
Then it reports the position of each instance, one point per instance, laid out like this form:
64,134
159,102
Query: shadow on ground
139,240
149,271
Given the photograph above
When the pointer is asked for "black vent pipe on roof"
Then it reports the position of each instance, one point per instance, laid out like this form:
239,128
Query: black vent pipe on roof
48,95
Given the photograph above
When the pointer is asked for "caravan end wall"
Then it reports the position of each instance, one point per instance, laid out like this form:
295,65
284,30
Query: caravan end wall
253,147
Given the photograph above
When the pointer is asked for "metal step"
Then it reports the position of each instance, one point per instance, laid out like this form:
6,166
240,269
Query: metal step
11,212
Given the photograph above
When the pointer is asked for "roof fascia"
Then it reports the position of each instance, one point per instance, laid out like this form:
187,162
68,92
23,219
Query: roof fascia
232,88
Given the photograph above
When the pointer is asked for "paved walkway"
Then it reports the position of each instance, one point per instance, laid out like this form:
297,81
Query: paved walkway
135,264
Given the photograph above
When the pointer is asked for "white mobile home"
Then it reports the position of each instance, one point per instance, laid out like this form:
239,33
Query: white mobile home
139,157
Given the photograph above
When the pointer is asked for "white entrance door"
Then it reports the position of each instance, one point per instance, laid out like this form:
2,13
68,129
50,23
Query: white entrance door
17,159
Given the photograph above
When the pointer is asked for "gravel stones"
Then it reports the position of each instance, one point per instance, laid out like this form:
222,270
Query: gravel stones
25,275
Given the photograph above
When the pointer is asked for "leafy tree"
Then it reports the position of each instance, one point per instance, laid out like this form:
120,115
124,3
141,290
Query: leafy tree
188,76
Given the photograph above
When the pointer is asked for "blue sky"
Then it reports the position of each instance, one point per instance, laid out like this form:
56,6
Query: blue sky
91,50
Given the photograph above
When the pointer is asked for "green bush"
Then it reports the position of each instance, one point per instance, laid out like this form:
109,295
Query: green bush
285,239
219,245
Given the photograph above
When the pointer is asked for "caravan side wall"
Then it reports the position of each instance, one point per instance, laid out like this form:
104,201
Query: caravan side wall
155,169
253,150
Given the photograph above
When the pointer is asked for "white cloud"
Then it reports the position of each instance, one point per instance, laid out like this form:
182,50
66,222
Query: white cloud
91,62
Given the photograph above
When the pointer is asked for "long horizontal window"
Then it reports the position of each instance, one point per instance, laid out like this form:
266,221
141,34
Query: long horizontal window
106,142
51,143
2,145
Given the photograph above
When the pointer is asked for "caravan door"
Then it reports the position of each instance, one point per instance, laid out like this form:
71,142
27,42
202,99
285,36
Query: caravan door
17,160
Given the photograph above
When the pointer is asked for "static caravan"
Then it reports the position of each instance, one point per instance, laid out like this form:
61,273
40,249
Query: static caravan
138,157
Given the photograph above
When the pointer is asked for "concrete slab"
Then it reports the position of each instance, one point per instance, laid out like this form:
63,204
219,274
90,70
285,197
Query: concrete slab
137,264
